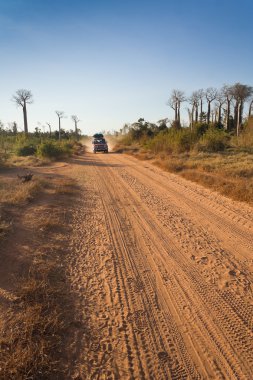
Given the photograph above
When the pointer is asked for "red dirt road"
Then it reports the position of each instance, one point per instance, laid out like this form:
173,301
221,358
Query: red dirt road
161,270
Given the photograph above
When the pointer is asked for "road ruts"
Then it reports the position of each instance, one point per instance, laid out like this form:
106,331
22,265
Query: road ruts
160,294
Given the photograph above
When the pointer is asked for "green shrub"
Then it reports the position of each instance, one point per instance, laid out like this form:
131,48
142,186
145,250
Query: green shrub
173,140
25,150
214,140
54,149
200,128
49,149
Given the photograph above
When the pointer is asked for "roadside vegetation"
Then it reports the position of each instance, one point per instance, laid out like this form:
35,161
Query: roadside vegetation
42,144
37,311
36,307
35,147
215,149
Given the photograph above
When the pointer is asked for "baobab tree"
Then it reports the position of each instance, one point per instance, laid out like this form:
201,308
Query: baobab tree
240,92
60,115
22,98
194,101
76,121
175,100
227,93
201,96
220,101
211,94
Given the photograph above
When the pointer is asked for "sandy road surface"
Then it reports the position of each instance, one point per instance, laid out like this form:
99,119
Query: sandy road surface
161,269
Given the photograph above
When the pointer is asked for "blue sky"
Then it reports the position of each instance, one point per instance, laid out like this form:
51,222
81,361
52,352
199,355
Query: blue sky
111,62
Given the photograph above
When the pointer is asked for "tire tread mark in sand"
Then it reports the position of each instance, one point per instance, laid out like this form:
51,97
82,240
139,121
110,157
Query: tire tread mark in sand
214,303
175,301
217,201
231,326
122,273
228,226
179,372
220,258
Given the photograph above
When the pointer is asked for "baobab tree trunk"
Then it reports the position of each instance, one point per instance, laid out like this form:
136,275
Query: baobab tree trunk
25,119
192,117
228,116
238,118
196,113
236,114
59,128
219,114
208,112
241,112
178,112
201,109
250,107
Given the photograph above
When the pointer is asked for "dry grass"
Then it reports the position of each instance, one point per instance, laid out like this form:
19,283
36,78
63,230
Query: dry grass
30,339
14,192
34,324
66,186
27,161
229,173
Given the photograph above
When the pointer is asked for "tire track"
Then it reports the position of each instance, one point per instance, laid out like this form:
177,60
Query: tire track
201,202
209,291
151,310
207,248
146,315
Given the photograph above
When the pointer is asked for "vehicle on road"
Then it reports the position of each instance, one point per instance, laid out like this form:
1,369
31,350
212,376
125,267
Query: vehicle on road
99,143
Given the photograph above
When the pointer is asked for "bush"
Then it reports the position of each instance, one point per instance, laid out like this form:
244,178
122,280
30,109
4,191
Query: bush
214,140
173,140
200,128
53,149
26,150
49,149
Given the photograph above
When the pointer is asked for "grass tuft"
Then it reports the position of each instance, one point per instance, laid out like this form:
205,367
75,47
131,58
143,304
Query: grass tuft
15,192
34,327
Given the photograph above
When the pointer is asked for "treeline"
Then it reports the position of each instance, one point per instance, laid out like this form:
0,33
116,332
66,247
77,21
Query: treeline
217,120
224,107
24,97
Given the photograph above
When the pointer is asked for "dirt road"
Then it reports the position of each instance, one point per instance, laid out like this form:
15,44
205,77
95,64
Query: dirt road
161,270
